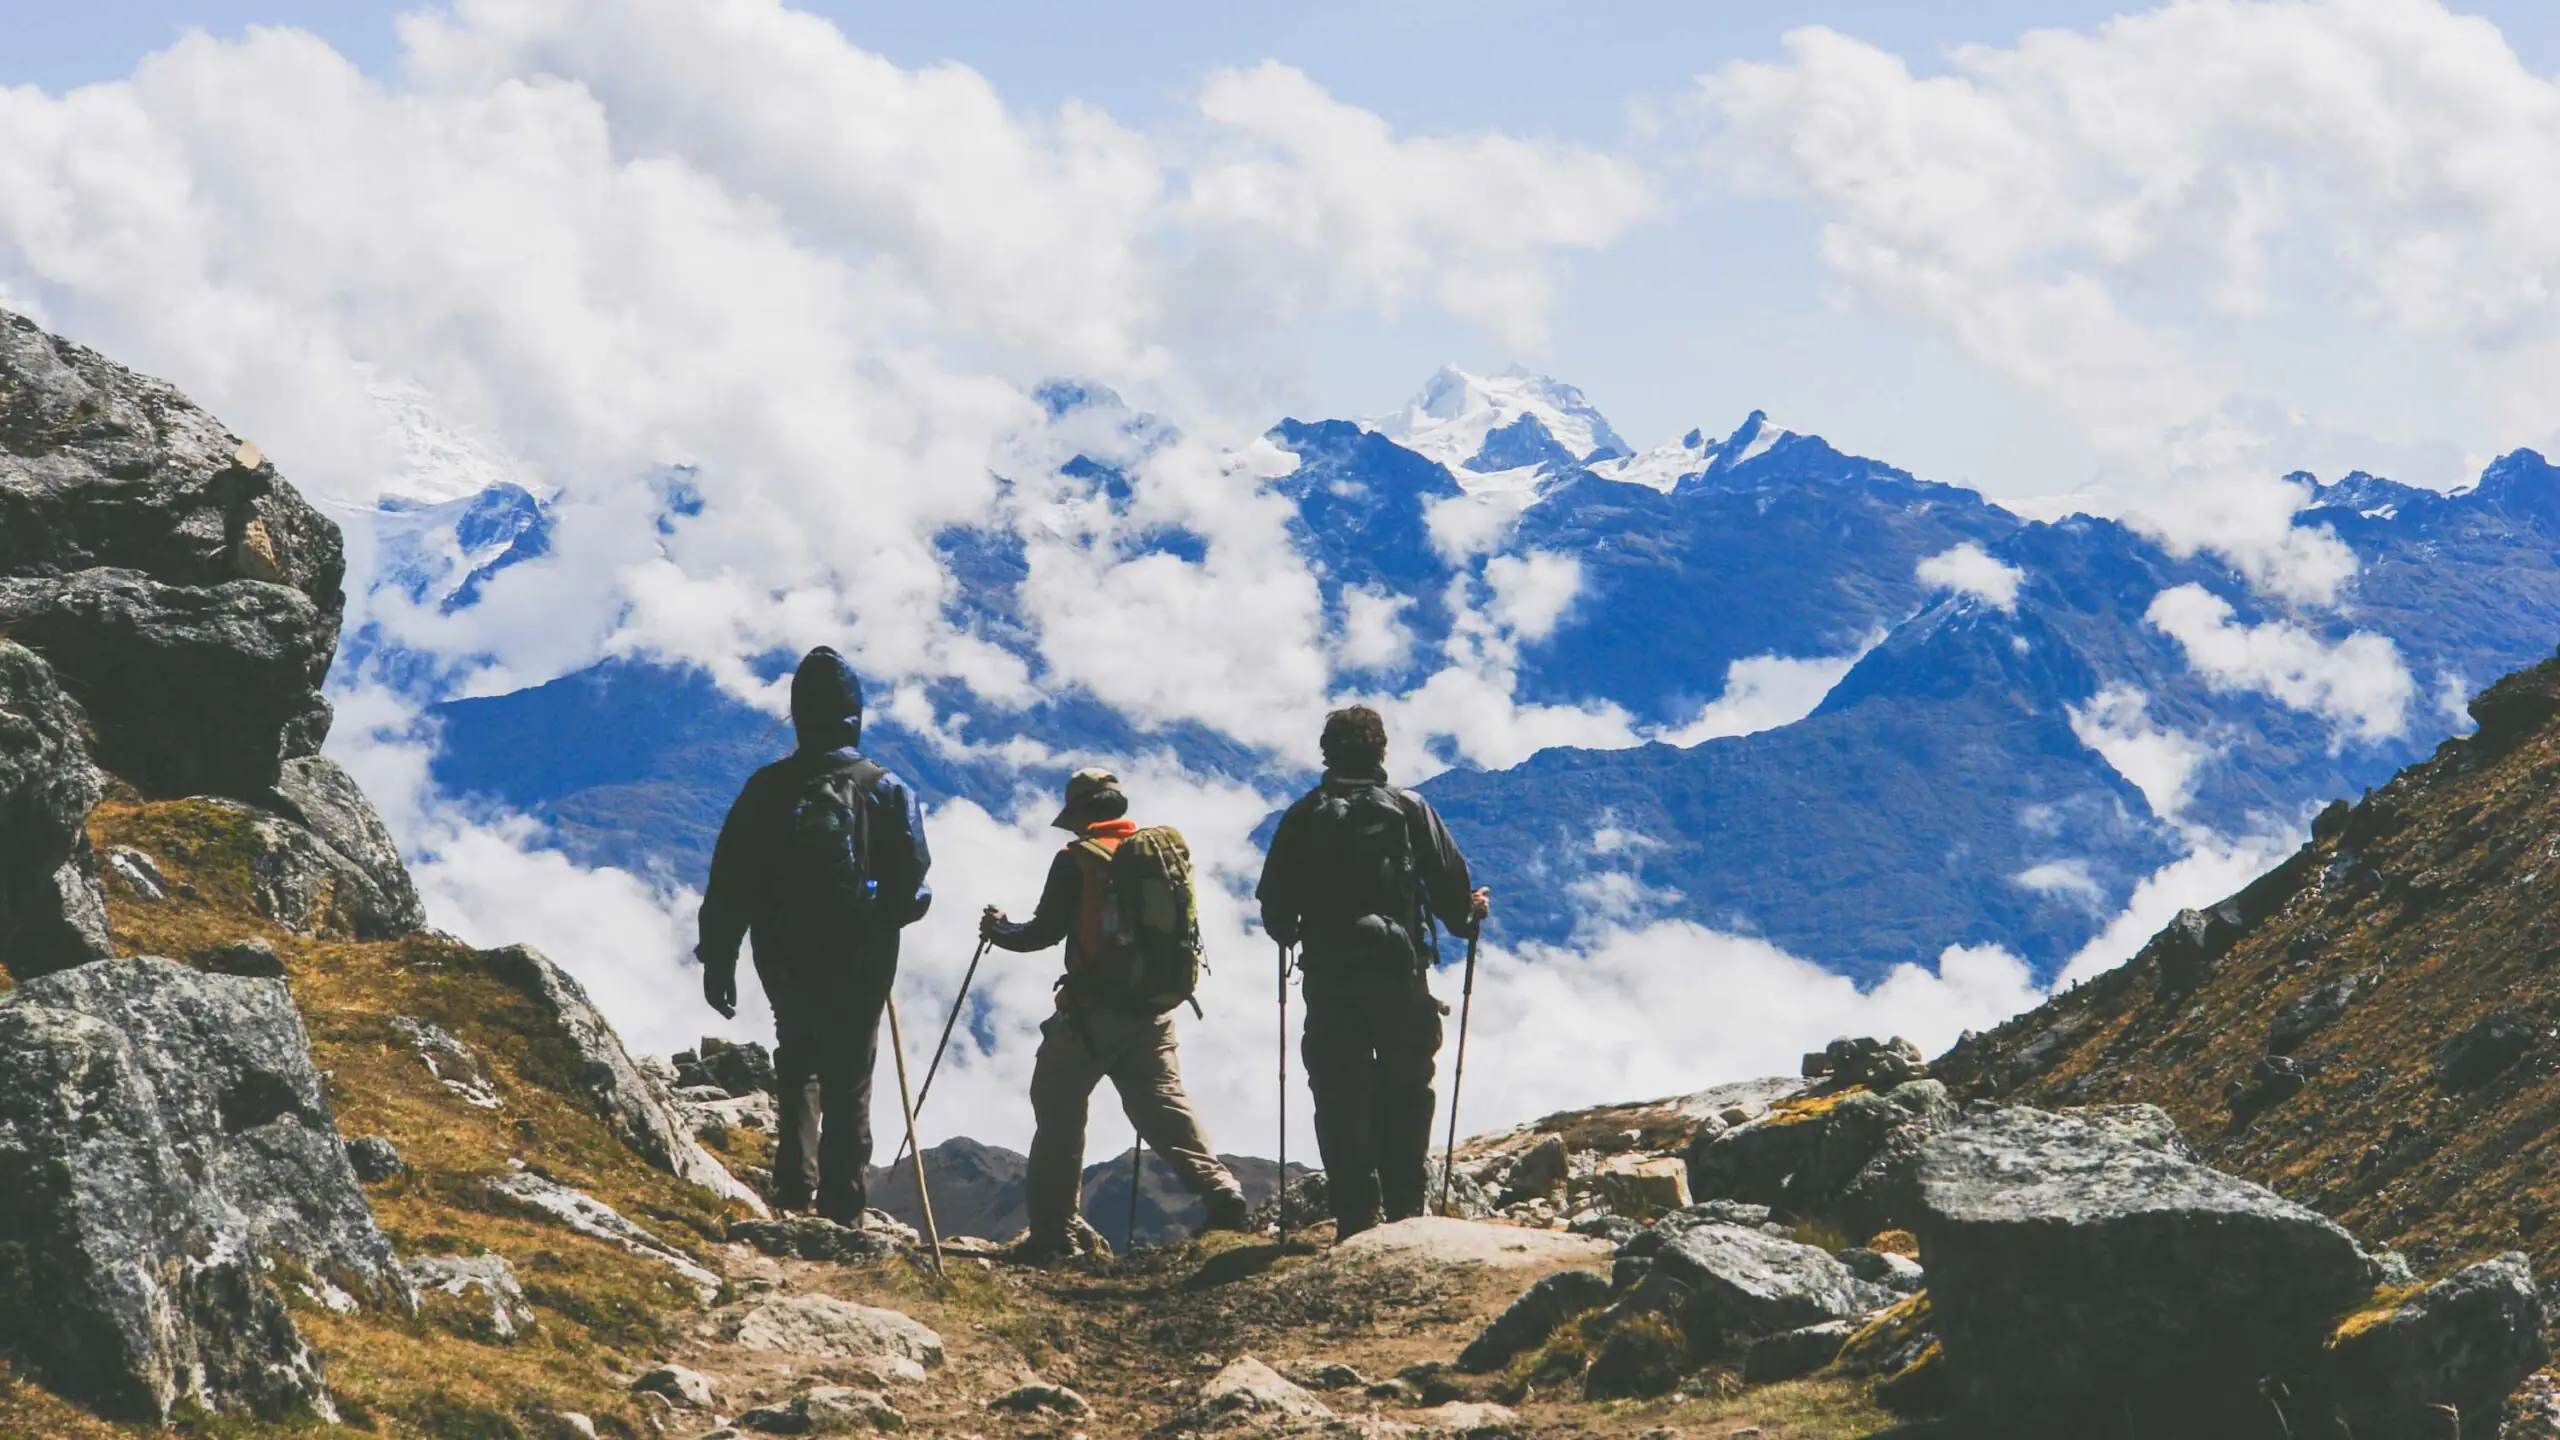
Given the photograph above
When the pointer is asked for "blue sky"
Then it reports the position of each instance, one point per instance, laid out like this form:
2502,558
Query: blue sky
1717,304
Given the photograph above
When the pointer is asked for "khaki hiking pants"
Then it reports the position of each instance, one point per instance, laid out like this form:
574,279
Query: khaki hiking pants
1078,1049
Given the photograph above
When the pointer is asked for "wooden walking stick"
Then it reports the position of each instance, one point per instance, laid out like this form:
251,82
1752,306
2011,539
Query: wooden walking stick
924,1198
1466,1009
1137,1167
926,1090
1284,1096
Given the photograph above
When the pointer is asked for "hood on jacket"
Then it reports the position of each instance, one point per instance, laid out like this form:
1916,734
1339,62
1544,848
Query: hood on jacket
826,701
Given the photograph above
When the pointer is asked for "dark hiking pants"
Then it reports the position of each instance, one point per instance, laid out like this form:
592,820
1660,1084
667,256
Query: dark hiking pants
1369,1048
826,1043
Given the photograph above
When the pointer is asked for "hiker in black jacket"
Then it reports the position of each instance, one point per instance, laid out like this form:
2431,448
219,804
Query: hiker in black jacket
1356,870
1090,1037
823,861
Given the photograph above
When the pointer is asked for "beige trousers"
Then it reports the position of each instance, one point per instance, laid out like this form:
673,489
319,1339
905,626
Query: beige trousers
1078,1050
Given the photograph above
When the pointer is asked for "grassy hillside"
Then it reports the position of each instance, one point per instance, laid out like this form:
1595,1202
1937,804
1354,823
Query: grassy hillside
2429,907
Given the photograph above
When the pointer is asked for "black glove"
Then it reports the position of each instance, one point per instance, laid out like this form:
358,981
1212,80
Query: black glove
720,988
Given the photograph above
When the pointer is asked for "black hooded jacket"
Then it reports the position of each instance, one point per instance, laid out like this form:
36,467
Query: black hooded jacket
826,711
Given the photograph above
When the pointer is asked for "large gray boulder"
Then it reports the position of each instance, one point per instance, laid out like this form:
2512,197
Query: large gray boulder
1813,1156
316,791
104,468
191,689
301,881
51,913
2464,1344
641,1113
164,1146
1725,1284
188,599
2083,1269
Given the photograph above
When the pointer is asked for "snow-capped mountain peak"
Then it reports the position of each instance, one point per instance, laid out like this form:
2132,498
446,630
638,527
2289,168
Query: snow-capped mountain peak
1482,424
1665,466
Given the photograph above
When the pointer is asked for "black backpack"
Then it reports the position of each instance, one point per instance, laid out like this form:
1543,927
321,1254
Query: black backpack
1365,902
828,875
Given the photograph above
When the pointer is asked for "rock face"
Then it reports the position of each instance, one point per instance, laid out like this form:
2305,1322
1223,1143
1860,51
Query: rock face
1843,1157
160,563
2083,1268
2463,1343
51,914
189,601
1725,1285
357,847
163,1138
640,1115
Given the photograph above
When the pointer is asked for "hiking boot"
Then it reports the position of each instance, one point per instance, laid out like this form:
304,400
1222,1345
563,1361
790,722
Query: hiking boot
1038,1250
1346,1226
1227,1211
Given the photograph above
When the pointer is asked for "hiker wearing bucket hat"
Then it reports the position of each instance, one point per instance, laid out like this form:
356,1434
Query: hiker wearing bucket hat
1120,899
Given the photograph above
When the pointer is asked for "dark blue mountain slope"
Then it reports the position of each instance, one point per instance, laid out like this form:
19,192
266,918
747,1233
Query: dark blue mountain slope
1866,835
1801,551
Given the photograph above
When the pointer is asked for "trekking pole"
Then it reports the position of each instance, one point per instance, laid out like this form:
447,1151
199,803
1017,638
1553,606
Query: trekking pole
1137,1167
1466,1009
1284,1096
924,1198
945,1043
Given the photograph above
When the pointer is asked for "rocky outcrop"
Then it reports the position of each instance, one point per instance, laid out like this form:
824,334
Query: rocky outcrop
51,914
894,1345
189,597
374,884
101,467
2461,1345
189,600
1842,1156
596,1220
1726,1285
2083,1268
164,1145
192,690
640,1113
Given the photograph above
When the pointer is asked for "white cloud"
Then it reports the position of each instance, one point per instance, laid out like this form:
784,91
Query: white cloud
1763,692
2358,683
2154,219
1475,221
2063,877
600,240
2158,761
1532,592
1968,569
1673,1007
1374,635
